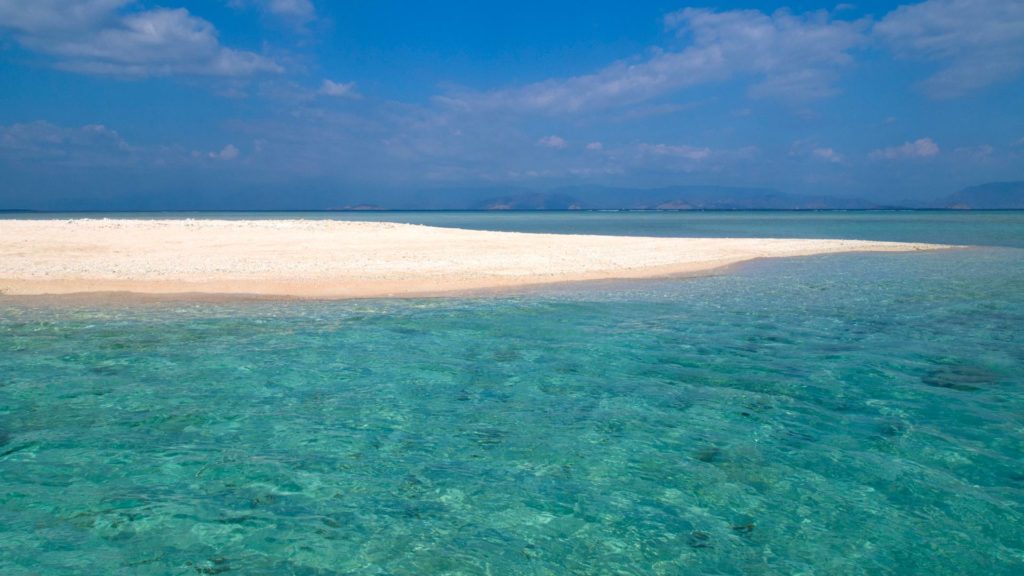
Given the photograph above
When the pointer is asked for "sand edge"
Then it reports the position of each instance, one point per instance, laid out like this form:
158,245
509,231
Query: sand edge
295,259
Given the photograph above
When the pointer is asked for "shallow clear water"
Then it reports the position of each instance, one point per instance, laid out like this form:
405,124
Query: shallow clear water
853,414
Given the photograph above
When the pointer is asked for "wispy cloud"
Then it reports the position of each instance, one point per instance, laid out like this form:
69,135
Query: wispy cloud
684,152
788,56
98,37
980,153
920,148
648,157
827,154
975,42
795,57
92,144
338,89
556,142
293,12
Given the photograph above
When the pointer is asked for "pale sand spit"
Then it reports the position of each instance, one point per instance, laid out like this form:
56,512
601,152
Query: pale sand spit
338,259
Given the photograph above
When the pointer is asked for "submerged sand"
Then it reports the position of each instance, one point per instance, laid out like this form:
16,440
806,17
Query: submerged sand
337,259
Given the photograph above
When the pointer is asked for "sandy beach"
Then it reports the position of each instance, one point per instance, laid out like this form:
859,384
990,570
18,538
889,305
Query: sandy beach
337,259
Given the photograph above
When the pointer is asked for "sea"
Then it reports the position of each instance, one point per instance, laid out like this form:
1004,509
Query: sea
849,414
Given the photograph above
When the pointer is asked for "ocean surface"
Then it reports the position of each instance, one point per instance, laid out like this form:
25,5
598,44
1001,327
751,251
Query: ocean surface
832,415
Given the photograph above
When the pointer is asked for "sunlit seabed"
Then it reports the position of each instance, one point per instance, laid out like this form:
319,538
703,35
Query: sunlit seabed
852,414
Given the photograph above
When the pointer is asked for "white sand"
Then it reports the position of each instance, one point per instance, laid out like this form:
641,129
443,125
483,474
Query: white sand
335,259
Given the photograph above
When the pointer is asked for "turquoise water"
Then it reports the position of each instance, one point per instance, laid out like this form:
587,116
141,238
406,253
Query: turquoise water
850,414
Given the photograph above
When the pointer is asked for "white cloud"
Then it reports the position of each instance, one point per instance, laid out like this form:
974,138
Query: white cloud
827,154
342,89
794,57
685,152
595,146
94,37
976,42
229,152
294,8
920,148
89,144
296,12
976,153
650,111
552,141
34,16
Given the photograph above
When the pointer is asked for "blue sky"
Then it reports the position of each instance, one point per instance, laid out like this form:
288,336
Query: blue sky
314,104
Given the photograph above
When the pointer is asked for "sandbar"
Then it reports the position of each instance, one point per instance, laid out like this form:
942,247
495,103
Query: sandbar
343,259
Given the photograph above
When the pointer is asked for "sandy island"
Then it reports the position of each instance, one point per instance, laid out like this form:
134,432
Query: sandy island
338,259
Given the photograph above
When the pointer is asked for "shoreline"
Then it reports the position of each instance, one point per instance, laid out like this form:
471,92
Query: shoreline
140,297
310,259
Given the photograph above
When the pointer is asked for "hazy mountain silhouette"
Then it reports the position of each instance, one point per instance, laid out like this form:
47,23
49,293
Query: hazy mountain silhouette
992,196
669,198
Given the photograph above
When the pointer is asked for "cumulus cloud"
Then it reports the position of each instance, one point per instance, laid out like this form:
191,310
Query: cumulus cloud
552,141
229,152
338,89
96,37
794,57
976,43
827,154
920,148
595,146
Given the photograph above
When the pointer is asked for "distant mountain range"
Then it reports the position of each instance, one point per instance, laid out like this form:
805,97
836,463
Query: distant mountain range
992,196
669,198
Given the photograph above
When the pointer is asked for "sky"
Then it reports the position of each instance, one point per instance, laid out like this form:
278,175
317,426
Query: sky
309,104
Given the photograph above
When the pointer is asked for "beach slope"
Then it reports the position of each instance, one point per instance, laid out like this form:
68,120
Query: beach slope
338,259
